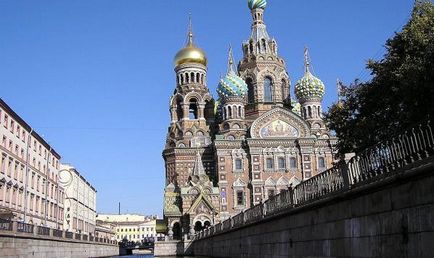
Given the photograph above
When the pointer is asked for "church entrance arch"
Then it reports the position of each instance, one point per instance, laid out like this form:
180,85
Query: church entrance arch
176,231
201,222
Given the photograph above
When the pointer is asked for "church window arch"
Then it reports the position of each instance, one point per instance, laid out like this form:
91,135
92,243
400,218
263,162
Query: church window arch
309,111
251,47
250,91
239,112
292,163
229,112
281,163
187,78
182,78
226,126
268,90
284,90
264,45
179,111
197,78
192,77
193,108
319,112
238,164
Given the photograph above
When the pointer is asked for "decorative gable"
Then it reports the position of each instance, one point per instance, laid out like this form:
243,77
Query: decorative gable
279,123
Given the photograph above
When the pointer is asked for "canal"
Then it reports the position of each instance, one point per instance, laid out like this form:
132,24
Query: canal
151,256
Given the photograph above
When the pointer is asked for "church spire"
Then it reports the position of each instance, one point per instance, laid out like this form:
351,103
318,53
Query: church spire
231,65
306,60
198,168
190,32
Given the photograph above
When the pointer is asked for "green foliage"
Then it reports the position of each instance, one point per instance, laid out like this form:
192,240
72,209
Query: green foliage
400,93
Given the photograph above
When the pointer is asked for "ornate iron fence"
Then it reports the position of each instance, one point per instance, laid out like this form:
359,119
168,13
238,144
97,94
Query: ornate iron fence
5,225
373,164
43,231
24,227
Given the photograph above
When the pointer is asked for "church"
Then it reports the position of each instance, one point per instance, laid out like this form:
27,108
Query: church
226,154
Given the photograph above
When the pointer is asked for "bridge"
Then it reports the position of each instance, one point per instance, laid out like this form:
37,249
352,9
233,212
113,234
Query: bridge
379,204
127,248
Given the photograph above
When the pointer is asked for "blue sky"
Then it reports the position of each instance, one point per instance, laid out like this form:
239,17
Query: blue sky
94,77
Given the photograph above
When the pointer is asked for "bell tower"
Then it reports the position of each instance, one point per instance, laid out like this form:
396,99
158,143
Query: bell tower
187,155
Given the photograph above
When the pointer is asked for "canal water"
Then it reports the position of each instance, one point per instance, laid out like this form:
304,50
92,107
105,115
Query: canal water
150,256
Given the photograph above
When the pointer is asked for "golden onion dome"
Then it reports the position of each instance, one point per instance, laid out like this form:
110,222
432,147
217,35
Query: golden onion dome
190,54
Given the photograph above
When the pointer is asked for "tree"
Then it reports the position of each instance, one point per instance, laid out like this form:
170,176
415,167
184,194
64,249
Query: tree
399,95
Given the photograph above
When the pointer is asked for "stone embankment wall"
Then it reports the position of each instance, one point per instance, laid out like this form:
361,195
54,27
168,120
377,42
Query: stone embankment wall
393,217
16,246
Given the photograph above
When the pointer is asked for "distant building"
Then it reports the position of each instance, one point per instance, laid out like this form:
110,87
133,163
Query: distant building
29,166
132,227
80,201
105,230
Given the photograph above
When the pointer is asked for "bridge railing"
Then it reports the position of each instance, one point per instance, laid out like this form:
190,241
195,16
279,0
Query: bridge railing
5,225
373,164
9,227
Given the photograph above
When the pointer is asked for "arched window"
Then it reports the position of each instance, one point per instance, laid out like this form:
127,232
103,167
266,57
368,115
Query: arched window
250,91
192,77
197,78
229,112
321,163
309,110
268,90
319,112
239,112
238,164
284,96
269,164
293,163
264,45
193,109
179,112
281,163
251,47
187,78
182,79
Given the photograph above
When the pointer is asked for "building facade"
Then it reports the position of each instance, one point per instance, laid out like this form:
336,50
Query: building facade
29,174
80,201
132,227
226,155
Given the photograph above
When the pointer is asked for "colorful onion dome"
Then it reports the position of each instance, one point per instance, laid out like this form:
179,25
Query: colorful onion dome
190,53
309,86
231,85
296,107
253,4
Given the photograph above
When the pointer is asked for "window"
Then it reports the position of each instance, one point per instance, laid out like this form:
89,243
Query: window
240,198
270,193
268,90
238,164
321,162
293,163
250,91
269,163
281,163
193,109
284,96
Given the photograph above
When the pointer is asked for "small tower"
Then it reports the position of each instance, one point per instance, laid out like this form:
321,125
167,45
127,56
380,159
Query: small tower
232,91
262,68
310,92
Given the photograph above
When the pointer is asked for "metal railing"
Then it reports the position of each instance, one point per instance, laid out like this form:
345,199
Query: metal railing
5,225
13,227
43,231
373,164
25,228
